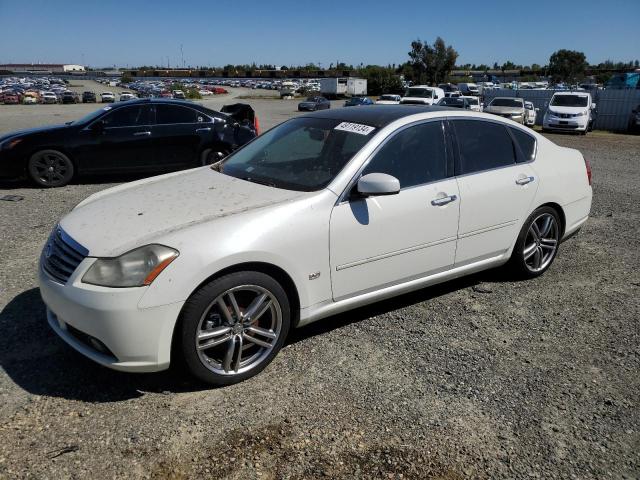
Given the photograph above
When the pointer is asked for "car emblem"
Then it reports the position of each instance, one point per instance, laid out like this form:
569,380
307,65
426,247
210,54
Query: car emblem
47,250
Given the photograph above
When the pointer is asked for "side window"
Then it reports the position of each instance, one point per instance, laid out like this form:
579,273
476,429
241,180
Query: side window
526,143
483,145
414,156
127,117
167,114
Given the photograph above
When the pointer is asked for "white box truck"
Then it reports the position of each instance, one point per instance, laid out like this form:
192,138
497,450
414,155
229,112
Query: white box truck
343,86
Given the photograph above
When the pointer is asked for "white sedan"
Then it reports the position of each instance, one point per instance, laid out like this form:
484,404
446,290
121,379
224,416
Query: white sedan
324,213
388,100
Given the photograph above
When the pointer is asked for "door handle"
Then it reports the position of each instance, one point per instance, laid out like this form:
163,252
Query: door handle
524,181
140,134
438,202
204,129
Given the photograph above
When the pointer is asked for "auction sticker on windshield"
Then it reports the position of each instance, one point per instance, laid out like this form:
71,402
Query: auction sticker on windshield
355,128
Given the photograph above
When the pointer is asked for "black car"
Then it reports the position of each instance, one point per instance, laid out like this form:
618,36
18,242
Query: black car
146,135
456,102
312,104
69,97
358,101
448,87
88,97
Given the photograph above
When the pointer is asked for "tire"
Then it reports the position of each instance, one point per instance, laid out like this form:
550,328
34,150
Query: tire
50,169
216,347
535,250
209,156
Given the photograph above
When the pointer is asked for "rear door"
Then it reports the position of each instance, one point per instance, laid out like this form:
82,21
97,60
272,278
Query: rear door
497,186
124,144
180,135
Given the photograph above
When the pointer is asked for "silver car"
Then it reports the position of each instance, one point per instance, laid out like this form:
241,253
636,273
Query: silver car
508,107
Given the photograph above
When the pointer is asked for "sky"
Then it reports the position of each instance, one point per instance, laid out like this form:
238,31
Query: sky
218,32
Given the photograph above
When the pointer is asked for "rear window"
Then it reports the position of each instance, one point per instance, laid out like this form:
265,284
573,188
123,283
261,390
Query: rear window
526,143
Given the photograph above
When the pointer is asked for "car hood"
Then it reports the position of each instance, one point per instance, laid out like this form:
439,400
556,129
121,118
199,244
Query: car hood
119,219
504,110
572,110
29,131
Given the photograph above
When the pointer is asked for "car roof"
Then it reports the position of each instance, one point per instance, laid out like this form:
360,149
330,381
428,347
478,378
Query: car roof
376,115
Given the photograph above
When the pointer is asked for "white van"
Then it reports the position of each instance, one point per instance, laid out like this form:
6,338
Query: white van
572,111
468,89
422,95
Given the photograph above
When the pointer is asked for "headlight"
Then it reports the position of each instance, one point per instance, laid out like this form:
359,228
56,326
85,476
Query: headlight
581,114
136,268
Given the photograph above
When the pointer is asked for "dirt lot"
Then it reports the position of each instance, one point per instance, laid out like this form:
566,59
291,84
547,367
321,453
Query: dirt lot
477,378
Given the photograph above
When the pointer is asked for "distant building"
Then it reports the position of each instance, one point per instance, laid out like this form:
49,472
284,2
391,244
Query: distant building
42,68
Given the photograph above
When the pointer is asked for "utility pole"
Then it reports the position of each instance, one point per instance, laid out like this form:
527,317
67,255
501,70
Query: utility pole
182,55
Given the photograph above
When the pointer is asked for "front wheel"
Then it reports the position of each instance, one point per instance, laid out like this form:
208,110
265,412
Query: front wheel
210,156
50,168
537,244
234,326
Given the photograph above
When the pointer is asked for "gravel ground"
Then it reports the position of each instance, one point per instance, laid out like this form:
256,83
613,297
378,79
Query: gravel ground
476,378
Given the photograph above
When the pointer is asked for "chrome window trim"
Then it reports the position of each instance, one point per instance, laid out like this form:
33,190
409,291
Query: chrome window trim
498,122
344,196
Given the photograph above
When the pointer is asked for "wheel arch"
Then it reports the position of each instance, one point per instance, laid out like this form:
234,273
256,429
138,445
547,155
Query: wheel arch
560,211
278,274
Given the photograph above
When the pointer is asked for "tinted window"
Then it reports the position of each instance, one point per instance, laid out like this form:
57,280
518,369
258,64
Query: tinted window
127,117
526,143
483,145
414,156
175,114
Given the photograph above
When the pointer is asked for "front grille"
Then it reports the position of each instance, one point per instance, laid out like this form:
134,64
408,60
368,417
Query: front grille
62,255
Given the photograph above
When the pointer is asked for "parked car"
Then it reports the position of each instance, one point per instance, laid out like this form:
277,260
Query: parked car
508,107
634,120
448,87
456,102
530,114
358,101
31,98
147,135
70,97
324,213
422,95
107,97
388,99
468,89
49,97
124,96
11,98
179,94
569,111
205,93
453,94
88,97
474,103
314,103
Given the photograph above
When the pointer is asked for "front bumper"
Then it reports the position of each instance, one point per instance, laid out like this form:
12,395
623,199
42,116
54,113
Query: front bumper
106,324
578,124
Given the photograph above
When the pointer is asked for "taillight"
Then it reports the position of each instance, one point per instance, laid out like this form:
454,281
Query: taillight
256,124
588,165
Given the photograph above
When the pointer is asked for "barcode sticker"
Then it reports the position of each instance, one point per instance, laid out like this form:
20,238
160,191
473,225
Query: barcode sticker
355,128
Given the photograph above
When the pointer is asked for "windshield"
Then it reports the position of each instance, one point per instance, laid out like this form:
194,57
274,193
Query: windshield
388,97
569,101
418,92
453,102
506,102
472,101
303,154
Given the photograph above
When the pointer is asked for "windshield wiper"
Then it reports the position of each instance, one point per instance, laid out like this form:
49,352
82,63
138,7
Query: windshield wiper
258,181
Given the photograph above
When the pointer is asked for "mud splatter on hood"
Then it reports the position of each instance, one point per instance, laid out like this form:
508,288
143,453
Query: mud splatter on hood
127,216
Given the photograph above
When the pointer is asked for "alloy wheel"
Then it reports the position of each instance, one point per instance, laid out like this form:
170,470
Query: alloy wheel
238,330
541,242
50,169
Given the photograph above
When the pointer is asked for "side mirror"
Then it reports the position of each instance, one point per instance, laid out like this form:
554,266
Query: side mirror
374,184
537,109
593,106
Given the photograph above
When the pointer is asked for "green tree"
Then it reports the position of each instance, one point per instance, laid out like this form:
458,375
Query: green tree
567,65
431,63
381,80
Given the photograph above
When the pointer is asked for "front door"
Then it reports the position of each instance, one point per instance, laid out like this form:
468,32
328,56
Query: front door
123,144
385,240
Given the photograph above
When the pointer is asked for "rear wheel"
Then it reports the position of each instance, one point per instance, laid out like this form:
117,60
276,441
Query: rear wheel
234,326
210,156
50,168
537,244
